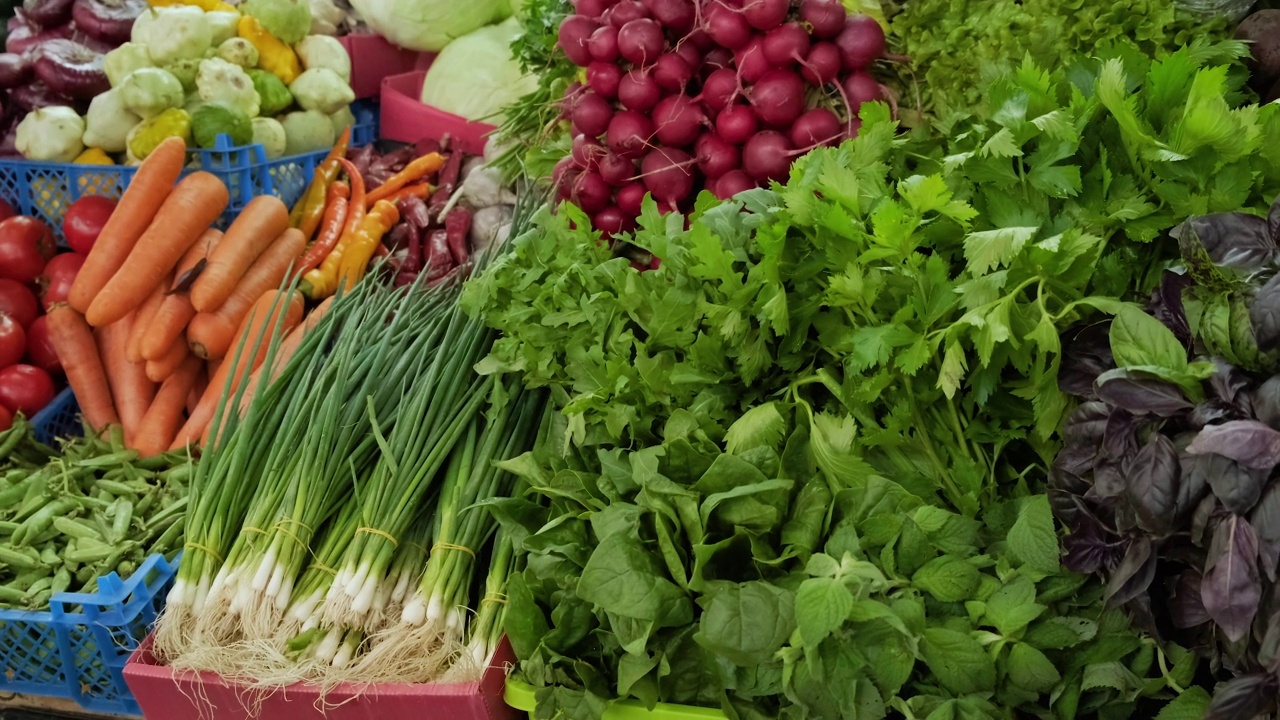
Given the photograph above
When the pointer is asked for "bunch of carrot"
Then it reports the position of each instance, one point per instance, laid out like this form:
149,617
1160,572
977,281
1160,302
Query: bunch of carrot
164,298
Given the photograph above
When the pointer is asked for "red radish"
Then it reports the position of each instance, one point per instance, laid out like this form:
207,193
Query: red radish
737,123
25,389
719,89
17,301
726,26
861,88
572,95
586,151
610,221
591,8
672,73
716,59
690,52
40,348
677,120
826,17
591,192
615,169
778,98
732,183
767,156
629,134
766,14
630,198
822,65
573,36
624,12
603,78
861,42
563,177
786,44
666,173
58,276
592,115
750,60
638,90
84,221
13,341
699,38
6,419
851,128
818,126
641,41
716,156
603,44
678,15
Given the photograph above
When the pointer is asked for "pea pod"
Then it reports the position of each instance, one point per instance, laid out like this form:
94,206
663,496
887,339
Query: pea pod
18,558
41,520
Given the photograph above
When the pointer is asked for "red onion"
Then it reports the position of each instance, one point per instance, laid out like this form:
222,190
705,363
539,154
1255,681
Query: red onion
48,13
72,69
107,20
16,69
25,35
36,95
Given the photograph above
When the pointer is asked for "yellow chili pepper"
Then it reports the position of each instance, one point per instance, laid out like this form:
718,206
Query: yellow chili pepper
309,209
368,237
273,55
206,5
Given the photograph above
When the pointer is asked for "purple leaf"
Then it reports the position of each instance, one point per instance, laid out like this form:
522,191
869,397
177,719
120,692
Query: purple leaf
1237,487
1151,484
1108,481
1234,240
1232,587
1264,315
1195,482
1230,384
1204,514
1166,305
1243,698
1248,442
1269,647
1266,401
1086,354
1185,605
1141,394
1086,547
1265,520
1121,437
1134,574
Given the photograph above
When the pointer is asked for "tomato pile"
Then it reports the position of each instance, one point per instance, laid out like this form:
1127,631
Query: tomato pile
34,276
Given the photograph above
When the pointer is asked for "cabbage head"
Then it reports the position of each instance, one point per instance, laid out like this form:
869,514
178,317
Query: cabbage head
429,25
476,76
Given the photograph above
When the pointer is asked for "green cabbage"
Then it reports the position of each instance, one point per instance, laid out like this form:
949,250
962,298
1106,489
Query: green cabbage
429,25
288,20
476,76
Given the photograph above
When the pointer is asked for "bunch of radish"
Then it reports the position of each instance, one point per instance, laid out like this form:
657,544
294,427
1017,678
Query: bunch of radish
682,95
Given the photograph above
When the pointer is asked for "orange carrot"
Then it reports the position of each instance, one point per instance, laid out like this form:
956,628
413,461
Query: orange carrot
160,425
160,370
189,210
145,314
255,333
131,391
176,311
197,390
415,170
212,334
253,231
73,340
147,191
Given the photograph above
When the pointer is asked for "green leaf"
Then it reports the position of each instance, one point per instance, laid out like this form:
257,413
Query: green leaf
948,578
1057,633
1033,539
746,623
1138,339
987,250
822,605
761,426
624,578
1192,704
1012,608
1030,669
1112,675
957,661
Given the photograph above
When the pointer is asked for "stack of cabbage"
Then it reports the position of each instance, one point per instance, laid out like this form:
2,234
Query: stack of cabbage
251,72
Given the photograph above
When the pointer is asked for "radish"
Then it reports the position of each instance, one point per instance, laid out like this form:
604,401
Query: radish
766,14
716,156
826,17
750,60
699,38
737,123
563,177
784,45
719,89
818,126
586,152
861,88
603,78
592,115
624,12
690,52
716,59
610,221
615,169
603,43
591,8
678,15
630,198
732,183
640,40
851,128
666,173
677,120
861,42
639,91
628,134
591,192
767,156
726,26
574,33
778,97
822,65
672,72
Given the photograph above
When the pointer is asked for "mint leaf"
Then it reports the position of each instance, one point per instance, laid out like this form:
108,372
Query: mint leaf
948,578
1012,608
960,664
1030,669
1138,339
1033,539
1057,633
822,605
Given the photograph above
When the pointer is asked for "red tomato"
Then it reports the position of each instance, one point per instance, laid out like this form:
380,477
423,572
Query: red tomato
59,274
84,220
13,341
18,302
40,350
26,244
25,389
6,419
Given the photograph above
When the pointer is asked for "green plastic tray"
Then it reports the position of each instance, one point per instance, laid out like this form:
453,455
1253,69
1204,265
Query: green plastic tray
521,697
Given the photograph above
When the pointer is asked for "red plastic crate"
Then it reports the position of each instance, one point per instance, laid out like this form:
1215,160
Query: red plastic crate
373,58
165,694
407,119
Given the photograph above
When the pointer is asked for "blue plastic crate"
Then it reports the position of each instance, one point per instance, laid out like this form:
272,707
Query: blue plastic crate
58,419
78,648
46,190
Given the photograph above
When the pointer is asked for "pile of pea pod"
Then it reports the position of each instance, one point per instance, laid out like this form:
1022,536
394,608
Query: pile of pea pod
70,516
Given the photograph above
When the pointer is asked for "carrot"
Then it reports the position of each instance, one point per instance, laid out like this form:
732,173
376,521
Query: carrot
130,388
253,231
176,310
212,334
189,210
160,425
285,352
73,340
202,382
145,315
415,170
138,206
160,370
255,333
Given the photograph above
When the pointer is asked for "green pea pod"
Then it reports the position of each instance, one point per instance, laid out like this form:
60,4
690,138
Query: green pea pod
76,528
9,439
40,521
18,559
117,488
11,596
110,460
50,556
61,581
123,519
